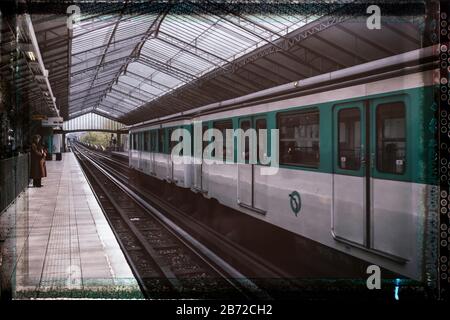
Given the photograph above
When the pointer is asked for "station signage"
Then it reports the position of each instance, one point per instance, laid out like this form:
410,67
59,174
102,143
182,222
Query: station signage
38,117
52,122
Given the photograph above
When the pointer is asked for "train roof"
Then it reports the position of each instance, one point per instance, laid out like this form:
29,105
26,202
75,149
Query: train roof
409,62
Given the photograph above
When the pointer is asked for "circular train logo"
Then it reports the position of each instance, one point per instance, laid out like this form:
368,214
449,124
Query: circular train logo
296,202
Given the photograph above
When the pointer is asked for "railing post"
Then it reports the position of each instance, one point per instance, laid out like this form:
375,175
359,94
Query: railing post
5,283
1,268
16,173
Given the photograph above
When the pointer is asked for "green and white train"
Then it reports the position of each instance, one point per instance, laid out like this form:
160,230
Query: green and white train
356,153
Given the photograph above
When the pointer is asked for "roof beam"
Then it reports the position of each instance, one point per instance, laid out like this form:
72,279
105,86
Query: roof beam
54,43
110,40
114,88
108,63
166,68
147,80
74,102
111,95
363,39
79,82
141,92
120,41
193,50
83,96
342,49
294,38
111,52
151,31
112,105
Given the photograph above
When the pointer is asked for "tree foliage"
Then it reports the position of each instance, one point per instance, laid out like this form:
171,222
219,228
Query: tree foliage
96,138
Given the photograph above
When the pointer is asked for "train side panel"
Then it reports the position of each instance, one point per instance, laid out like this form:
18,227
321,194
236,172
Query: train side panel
377,215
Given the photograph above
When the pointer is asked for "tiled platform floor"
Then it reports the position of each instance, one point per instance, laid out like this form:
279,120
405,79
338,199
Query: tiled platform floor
60,244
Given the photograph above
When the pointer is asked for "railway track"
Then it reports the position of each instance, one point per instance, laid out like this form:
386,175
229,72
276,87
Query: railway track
166,260
254,265
271,281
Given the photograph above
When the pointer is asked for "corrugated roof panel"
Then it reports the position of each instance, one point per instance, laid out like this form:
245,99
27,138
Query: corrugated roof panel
190,45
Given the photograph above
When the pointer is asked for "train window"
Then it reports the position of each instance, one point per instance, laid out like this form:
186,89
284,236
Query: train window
391,137
140,141
245,125
130,141
161,137
135,141
153,140
172,143
349,137
299,138
169,137
144,142
204,143
147,141
260,124
223,126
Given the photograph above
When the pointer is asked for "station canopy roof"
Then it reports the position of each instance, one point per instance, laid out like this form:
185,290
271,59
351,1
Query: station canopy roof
135,61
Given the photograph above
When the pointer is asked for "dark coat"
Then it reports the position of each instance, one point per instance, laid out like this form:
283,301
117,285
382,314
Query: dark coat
43,166
38,168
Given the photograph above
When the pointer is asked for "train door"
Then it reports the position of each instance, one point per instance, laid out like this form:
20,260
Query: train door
131,149
393,220
146,153
141,160
153,144
251,188
371,201
350,178
135,151
200,181
170,145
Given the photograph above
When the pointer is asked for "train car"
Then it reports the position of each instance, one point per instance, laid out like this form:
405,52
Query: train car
123,146
151,153
355,152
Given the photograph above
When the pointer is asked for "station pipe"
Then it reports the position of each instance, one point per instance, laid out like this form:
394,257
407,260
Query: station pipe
39,59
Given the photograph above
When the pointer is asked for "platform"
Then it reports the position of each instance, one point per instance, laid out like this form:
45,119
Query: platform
60,243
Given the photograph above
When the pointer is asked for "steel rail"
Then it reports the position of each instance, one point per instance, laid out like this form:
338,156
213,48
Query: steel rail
219,265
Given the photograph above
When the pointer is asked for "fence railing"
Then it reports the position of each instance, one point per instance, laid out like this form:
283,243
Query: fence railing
14,178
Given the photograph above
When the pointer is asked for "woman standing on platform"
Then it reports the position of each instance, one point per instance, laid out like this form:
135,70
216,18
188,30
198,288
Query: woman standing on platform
44,150
37,161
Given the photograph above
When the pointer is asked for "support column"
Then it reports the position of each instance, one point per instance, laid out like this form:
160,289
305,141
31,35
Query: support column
118,141
63,143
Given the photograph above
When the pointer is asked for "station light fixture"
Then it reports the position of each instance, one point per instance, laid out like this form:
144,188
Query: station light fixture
31,55
30,49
